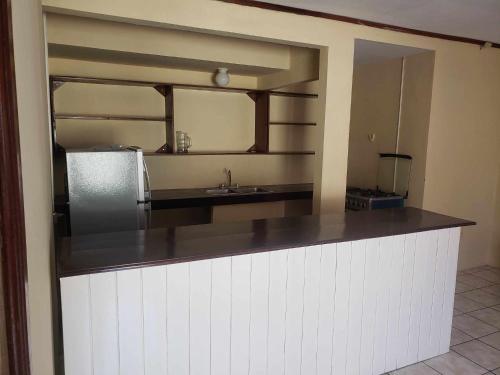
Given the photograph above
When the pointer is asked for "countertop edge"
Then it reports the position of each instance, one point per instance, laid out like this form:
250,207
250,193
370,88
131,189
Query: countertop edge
242,250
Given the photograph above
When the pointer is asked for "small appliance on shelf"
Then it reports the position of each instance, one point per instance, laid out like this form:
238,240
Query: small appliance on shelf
393,178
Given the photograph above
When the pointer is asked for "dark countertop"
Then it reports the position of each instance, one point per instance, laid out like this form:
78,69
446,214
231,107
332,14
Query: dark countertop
121,250
177,198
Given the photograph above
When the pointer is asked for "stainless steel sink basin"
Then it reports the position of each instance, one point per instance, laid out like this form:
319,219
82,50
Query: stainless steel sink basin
238,190
217,191
249,190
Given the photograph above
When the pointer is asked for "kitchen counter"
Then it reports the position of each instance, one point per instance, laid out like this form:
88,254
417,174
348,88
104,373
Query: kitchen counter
363,292
113,251
178,198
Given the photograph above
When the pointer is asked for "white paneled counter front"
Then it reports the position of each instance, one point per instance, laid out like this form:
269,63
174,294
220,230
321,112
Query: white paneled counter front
361,306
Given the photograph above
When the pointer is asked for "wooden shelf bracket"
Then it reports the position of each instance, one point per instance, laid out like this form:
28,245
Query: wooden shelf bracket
168,93
261,121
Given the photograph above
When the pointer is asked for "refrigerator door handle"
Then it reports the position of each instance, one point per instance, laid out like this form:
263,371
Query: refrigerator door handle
147,192
144,215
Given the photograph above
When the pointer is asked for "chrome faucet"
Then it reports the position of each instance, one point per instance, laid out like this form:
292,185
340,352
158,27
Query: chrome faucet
229,182
228,176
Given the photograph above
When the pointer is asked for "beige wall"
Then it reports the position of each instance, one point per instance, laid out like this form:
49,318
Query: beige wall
90,39
494,256
374,110
221,122
29,54
334,108
171,172
463,152
414,127
152,42
303,67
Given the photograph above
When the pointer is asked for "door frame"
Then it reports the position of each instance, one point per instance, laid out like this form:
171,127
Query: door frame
12,229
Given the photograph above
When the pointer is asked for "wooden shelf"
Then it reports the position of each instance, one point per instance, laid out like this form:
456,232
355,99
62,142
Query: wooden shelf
103,81
293,94
199,153
214,88
120,82
291,153
68,116
292,123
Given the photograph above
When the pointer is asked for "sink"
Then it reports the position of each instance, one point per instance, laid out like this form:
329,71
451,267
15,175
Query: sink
218,191
238,190
249,190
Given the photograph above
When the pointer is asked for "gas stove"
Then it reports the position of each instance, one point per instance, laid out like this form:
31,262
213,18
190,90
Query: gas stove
369,199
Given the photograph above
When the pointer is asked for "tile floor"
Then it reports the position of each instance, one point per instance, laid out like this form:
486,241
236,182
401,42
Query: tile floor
475,337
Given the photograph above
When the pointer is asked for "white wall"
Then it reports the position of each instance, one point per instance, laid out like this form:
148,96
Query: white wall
29,54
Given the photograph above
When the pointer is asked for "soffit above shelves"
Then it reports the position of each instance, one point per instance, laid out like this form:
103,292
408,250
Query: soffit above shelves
150,60
124,43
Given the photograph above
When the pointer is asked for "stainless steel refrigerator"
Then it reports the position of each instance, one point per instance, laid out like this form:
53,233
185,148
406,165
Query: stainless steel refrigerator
107,190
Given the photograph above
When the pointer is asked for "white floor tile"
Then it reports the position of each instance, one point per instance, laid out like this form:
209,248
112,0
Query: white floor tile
461,287
473,281
454,364
472,326
464,304
476,269
480,353
416,369
459,337
490,275
492,340
479,296
493,289
489,315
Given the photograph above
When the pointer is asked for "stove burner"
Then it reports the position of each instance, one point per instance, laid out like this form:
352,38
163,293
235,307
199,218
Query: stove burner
369,199
369,193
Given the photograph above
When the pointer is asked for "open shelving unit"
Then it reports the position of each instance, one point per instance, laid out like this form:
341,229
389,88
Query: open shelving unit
261,99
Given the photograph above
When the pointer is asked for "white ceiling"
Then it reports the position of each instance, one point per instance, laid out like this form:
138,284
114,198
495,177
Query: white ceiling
477,19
